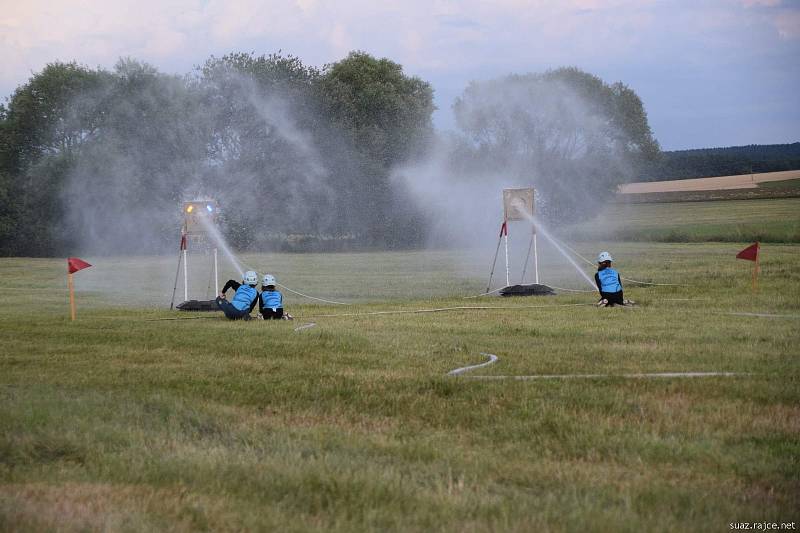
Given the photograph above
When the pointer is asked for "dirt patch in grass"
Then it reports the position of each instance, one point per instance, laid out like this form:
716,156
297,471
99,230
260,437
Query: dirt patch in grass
108,507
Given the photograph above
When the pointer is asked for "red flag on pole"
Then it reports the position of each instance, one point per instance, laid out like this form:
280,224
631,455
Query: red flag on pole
750,253
183,242
74,264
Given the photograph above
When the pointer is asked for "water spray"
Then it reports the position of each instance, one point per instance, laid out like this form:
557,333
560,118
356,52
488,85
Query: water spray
546,234
519,205
212,230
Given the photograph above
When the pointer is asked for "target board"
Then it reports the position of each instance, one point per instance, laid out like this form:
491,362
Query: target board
196,212
518,203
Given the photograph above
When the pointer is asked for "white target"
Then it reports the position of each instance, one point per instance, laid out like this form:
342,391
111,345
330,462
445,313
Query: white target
518,204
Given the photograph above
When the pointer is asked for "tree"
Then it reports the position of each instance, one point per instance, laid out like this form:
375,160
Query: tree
386,116
44,128
125,187
56,111
385,111
265,114
571,134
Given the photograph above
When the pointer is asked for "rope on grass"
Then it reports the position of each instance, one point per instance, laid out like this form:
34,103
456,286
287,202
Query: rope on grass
305,326
642,375
310,297
443,309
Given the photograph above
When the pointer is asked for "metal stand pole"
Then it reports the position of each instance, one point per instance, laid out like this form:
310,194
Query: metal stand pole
185,278
535,256
496,252
508,271
527,257
175,287
216,275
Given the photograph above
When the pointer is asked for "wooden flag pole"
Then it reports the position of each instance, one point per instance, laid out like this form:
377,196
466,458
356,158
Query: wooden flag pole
71,285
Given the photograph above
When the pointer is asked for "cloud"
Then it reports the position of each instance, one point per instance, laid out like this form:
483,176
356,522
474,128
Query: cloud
788,24
761,3
447,42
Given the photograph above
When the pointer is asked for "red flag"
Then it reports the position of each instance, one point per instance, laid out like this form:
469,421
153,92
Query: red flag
750,253
183,241
504,229
74,264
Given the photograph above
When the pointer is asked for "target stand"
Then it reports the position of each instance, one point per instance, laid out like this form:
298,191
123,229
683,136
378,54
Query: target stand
519,205
199,216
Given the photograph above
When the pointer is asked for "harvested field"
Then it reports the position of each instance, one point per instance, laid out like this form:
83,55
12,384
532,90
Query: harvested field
765,220
718,183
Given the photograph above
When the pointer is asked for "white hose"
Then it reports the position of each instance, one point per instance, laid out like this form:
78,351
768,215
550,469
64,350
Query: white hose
310,297
569,290
457,371
611,376
759,315
442,309
484,294
493,359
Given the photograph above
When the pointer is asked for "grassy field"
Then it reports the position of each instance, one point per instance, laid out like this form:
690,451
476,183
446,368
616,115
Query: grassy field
126,421
766,220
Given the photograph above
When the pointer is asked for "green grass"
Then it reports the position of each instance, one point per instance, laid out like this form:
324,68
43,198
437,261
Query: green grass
121,422
785,185
766,220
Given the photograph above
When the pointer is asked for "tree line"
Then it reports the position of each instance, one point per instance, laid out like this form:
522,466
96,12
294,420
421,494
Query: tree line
101,159
728,161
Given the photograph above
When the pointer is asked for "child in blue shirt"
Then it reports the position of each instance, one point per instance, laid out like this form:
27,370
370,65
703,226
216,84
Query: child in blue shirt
243,301
608,282
270,303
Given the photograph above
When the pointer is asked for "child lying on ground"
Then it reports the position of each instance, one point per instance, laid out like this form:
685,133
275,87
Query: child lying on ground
243,301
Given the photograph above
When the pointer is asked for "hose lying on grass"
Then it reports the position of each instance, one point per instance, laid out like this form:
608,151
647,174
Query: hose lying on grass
587,261
493,359
443,309
440,310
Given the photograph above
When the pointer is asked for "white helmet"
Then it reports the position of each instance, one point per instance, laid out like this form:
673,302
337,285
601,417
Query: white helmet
250,278
269,279
603,257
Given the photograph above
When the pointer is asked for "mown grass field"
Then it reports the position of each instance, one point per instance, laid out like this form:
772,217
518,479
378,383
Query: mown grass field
767,220
122,421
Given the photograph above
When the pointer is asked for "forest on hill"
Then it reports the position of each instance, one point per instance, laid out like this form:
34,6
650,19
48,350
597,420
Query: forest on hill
729,161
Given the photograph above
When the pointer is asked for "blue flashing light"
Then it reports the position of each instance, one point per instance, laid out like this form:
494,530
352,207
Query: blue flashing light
210,209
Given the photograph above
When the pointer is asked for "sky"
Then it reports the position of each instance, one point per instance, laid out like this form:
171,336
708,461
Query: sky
710,72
